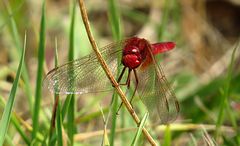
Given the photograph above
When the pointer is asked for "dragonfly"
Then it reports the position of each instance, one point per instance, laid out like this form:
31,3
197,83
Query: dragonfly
130,60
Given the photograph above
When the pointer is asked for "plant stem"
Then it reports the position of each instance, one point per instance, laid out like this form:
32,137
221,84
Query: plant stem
108,72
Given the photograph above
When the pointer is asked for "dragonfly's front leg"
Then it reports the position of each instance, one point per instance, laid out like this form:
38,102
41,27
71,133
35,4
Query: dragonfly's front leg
128,78
135,89
127,82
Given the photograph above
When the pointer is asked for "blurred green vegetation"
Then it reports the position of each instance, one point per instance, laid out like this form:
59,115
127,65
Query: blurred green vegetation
203,70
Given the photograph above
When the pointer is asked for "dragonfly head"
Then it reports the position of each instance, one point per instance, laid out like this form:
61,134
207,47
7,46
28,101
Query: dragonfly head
131,57
134,52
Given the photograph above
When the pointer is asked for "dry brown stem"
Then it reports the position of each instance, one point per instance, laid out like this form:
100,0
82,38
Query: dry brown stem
108,72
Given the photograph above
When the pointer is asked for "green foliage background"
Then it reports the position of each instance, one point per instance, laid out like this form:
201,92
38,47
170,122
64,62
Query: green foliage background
203,69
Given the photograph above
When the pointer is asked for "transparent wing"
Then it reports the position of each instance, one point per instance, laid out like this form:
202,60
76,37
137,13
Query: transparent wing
84,75
155,91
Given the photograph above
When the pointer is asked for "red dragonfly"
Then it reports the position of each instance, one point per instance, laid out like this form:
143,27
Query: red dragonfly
85,75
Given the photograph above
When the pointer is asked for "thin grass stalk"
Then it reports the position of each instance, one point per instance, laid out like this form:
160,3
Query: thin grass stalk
105,141
71,108
17,43
164,20
56,103
6,116
9,140
20,130
38,93
59,125
115,25
161,128
14,120
224,98
139,131
167,136
58,107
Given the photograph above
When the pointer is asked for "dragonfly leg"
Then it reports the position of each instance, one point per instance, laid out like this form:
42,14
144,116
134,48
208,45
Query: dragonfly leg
128,86
121,75
127,83
135,89
128,78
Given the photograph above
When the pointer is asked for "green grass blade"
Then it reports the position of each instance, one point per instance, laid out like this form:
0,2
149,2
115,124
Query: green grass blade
71,109
20,130
193,141
59,125
13,27
91,116
17,43
167,136
123,123
105,141
9,140
139,131
38,93
71,33
9,106
56,53
164,20
114,108
135,15
55,106
70,120
114,18
225,95
16,123
59,115
176,14
66,106
229,111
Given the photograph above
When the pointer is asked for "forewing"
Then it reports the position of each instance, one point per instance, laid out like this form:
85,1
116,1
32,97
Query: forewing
156,93
84,75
